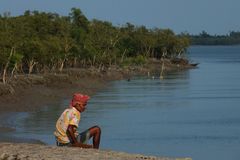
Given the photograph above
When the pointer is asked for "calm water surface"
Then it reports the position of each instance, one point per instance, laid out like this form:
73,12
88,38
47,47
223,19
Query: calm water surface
193,113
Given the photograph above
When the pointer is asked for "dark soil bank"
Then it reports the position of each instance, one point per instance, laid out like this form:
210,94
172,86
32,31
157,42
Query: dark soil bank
29,92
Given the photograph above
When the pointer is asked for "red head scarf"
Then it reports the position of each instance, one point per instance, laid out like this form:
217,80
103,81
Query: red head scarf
79,98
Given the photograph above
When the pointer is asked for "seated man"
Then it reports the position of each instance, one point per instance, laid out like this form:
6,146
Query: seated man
66,127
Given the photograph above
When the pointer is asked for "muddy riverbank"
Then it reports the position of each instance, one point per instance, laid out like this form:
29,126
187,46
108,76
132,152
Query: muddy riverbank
29,92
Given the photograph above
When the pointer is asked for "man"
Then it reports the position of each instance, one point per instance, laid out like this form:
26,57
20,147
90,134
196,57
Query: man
66,127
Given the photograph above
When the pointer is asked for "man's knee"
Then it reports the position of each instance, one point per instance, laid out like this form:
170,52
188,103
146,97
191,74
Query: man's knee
96,129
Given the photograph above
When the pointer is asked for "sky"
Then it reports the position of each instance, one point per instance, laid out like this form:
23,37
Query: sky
192,16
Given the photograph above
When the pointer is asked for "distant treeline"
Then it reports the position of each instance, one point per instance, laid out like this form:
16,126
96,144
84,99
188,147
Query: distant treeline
233,38
37,42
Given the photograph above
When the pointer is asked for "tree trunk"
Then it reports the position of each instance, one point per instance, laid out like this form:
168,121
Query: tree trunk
94,59
61,65
13,70
75,62
110,62
148,52
162,69
31,65
6,67
123,55
179,53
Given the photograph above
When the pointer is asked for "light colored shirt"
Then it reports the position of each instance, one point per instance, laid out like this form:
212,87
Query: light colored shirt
71,116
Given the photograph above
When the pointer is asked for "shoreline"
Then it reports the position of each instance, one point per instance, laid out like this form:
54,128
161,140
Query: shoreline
24,151
31,92
26,93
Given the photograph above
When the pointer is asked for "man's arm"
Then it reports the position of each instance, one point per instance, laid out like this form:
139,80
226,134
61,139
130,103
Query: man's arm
71,131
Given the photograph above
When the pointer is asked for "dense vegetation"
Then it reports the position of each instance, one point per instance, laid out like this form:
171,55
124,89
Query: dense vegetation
233,38
39,42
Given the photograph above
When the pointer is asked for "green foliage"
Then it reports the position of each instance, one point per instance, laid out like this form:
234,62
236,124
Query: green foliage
15,59
47,40
206,39
139,60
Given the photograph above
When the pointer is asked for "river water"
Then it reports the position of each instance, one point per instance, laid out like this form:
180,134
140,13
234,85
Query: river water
193,113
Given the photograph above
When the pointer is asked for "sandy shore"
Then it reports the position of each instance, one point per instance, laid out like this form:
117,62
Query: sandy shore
21,151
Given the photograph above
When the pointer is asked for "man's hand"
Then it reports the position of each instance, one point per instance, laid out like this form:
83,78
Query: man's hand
71,129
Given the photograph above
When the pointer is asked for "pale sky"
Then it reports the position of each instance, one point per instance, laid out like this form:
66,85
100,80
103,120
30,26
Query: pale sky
193,16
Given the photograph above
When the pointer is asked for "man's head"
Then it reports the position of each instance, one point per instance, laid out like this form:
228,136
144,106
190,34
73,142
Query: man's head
79,101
